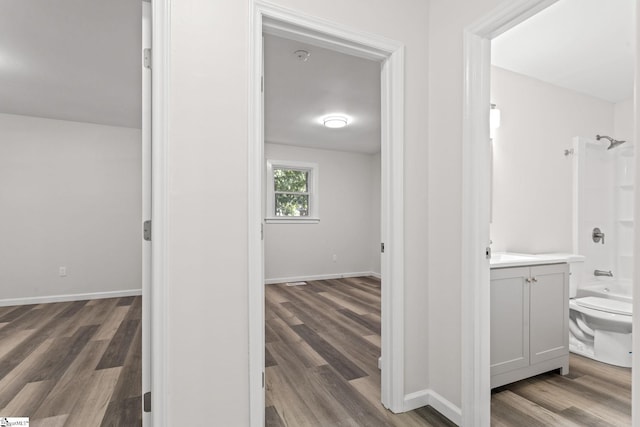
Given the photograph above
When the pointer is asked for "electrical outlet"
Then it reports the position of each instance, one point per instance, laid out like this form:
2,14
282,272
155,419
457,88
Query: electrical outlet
62,271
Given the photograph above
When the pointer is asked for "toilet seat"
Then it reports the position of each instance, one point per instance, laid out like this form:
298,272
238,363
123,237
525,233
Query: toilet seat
606,305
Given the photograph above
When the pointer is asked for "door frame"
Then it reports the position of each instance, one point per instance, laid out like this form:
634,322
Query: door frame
287,23
159,292
476,386
476,393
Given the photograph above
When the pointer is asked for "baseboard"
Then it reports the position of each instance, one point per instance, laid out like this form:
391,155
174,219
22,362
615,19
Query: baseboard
376,275
319,277
70,297
429,397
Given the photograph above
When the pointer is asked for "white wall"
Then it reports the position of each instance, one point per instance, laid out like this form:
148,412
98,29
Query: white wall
70,195
532,178
447,21
345,191
208,194
623,121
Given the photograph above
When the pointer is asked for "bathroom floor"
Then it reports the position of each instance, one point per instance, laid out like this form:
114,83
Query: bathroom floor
592,394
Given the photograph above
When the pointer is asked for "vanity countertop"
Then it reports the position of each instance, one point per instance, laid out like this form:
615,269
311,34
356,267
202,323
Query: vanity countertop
512,259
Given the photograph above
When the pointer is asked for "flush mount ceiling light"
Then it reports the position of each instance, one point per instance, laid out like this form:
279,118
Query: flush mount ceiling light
335,122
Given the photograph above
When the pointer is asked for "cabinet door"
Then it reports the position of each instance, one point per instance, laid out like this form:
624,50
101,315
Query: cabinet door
549,312
509,319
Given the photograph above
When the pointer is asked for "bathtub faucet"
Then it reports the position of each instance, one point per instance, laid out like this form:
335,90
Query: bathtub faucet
603,273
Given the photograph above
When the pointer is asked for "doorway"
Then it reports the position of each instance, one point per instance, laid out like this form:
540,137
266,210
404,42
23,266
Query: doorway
288,24
476,396
79,123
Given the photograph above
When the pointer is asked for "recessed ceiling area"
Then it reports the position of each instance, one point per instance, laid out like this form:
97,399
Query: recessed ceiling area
582,45
72,60
300,93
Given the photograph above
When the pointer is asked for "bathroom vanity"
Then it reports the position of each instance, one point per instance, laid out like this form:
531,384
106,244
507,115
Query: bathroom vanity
529,316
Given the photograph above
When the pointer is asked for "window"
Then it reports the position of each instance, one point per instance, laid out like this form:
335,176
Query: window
292,191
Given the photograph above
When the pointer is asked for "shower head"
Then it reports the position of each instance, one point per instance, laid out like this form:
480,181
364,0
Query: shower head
613,142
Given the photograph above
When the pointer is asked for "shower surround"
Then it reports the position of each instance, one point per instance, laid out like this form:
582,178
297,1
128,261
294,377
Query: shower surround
603,198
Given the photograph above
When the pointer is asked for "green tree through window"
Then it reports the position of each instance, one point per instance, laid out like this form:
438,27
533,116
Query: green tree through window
291,192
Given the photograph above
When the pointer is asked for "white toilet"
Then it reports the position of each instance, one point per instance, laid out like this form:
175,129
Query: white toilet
599,328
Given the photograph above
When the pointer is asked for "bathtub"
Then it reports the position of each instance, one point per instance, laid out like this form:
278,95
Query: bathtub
613,289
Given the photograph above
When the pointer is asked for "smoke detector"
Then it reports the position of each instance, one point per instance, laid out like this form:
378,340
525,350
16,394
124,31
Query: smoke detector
302,55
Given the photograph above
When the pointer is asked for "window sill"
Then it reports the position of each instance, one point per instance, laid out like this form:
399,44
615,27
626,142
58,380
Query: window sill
292,220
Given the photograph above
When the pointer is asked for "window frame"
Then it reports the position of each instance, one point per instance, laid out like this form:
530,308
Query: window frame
313,178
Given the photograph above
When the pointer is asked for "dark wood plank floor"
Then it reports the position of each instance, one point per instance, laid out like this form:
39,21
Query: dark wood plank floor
72,363
322,347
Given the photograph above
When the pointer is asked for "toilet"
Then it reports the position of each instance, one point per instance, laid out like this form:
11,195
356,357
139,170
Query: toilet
599,328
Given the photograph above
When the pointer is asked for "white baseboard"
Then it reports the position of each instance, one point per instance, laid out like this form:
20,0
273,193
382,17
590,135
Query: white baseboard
376,275
70,297
319,277
429,397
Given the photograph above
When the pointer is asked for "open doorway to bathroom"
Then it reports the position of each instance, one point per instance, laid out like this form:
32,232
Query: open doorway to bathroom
562,185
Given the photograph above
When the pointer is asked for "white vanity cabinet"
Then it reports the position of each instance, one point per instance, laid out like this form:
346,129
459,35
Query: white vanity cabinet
529,321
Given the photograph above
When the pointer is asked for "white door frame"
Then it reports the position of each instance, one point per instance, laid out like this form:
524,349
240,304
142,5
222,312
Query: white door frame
160,37
293,25
146,209
476,396
476,389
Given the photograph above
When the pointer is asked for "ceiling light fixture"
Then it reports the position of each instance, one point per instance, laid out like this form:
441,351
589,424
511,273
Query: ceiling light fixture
335,122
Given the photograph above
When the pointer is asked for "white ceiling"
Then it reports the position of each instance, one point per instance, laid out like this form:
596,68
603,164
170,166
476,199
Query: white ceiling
298,94
72,60
582,45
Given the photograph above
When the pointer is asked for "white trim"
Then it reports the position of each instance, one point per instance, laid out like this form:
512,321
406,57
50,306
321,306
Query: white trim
376,275
635,339
146,210
476,393
69,297
392,230
422,398
160,316
275,19
319,277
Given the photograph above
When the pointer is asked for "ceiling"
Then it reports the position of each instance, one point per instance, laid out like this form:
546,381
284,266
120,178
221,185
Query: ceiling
72,60
582,45
299,93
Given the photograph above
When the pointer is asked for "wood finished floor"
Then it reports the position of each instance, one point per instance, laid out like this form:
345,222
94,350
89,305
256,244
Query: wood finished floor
72,363
592,394
321,357
322,347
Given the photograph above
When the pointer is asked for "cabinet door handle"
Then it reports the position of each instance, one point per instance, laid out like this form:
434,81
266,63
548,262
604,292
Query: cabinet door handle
528,280
534,280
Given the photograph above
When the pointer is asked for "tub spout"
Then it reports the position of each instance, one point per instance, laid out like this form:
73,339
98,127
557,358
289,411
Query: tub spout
603,273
